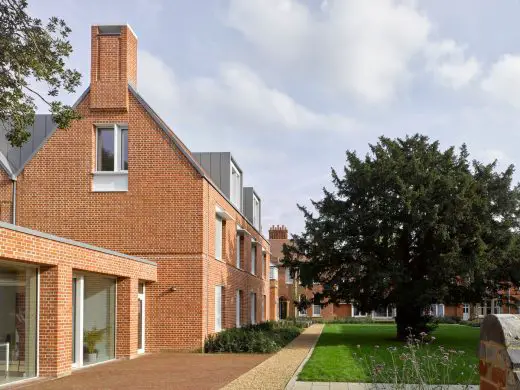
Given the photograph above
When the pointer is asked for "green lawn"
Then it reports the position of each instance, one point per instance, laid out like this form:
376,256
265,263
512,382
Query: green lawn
343,351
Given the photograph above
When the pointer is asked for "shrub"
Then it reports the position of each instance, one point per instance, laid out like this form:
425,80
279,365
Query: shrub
447,320
266,337
474,323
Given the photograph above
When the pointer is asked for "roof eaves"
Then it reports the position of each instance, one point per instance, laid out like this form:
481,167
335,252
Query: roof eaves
44,141
4,163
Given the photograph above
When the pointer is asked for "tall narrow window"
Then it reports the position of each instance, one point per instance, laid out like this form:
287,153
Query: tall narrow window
236,186
256,212
238,251
288,277
264,299
316,310
253,259
264,257
218,308
252,305
238,308
218,238
124,150
105,150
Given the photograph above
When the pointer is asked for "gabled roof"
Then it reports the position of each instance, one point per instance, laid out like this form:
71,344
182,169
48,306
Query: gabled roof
14,159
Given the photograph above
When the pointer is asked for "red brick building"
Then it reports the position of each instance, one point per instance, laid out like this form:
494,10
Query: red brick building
289,291
120,178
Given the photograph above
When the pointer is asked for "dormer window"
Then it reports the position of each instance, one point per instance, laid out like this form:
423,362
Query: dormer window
256,212
236,186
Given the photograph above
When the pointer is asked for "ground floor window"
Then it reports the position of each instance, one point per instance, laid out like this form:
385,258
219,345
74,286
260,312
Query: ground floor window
489,306
238,309
436,310
282,308
141,318
18,322
358,313
253,307
93,319
465,311
316,310
218,308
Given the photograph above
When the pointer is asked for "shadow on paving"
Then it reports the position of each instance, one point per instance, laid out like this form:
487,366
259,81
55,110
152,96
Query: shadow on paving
159,371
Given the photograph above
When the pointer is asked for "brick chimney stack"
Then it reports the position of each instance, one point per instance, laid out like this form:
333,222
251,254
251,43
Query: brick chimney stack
278,232
113,66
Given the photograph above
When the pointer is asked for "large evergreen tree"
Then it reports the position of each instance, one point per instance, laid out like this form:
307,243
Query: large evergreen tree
410,225
31,51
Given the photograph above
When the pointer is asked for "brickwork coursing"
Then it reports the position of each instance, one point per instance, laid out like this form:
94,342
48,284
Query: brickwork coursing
167,215
6,197
57,260
499,354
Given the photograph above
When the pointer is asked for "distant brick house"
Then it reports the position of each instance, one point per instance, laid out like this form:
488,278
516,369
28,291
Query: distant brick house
289,291
119,178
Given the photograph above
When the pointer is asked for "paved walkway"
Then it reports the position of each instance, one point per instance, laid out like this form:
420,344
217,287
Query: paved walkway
190,371
277,371
370,386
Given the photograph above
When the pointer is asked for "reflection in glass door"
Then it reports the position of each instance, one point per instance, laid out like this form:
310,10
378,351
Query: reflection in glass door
141,318
93,311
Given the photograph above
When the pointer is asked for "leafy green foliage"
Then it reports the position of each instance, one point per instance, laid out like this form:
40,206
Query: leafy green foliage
408,226
32,51
267,337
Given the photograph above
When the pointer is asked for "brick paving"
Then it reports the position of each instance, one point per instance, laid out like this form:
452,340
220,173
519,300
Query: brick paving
158,371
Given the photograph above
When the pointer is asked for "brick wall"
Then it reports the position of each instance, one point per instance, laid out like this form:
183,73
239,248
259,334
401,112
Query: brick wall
167,214
499,352
57,260
6,197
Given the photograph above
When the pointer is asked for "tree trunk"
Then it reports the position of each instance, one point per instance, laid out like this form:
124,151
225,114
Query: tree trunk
410,321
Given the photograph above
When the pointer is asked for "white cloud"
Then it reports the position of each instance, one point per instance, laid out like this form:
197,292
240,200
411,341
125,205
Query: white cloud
449,65
364,48
236,97
241,94
277,26
157,81
503,81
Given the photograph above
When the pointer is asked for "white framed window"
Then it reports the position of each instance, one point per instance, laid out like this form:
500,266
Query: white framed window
252,300
111,171
237,246
256,212
273,272
218,308
141,318
264,259
253,259
238,308
357,313
218,237
111,148
236,186
465,311
316,310
288,277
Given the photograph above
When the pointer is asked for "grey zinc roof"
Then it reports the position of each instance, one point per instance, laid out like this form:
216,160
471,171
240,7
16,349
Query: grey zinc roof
17,157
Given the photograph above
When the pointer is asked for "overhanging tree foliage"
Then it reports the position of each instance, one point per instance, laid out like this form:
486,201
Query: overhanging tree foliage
411,225
31,51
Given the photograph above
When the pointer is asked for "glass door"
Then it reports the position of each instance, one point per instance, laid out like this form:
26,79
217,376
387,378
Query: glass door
77,320
141,318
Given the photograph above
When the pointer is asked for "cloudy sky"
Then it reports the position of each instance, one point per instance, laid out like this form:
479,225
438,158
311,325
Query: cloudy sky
289,85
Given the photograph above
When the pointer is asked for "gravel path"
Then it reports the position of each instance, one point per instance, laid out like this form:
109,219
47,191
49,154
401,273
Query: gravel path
275,372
